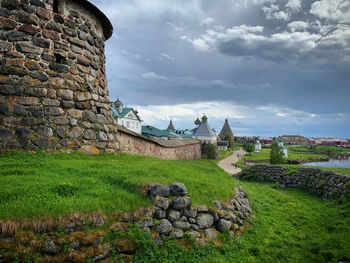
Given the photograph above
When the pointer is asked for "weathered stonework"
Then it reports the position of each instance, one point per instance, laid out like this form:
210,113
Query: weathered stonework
133,143
53,87
324,184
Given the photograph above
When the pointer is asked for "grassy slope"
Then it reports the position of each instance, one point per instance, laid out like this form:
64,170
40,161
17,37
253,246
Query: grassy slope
290,226
44,184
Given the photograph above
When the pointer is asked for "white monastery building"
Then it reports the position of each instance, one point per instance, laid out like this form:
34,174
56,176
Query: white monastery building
126,117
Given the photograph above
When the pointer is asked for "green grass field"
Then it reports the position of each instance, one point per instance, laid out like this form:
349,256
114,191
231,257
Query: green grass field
320,149
264,155
289,226
46,184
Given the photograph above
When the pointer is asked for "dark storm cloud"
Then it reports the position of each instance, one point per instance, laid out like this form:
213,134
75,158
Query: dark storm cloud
292,54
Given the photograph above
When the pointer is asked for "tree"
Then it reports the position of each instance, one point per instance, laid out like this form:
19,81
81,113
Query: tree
228,138
276,154
248,147
209,151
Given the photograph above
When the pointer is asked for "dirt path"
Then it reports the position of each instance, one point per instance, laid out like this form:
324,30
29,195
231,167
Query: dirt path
226,163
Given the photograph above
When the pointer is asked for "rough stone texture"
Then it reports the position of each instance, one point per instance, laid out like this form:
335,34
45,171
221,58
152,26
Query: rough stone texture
205,220
163,203
133,143
50,247
178,189
41,83
176,233
224,225
173,215
181,203
210,233
324,184
159,190
182,225
164,226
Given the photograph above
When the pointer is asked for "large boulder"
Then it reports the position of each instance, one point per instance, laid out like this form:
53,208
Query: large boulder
223,225
162,202
182,225
181,203
178,189
173,215
205,221
164,226
210,233
190,212
160,190
177,233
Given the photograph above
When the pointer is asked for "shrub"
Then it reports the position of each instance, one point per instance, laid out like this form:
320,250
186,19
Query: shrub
209,150
276,154
248,147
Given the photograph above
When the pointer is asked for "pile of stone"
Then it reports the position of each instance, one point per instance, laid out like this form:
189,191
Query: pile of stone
176,217
324,184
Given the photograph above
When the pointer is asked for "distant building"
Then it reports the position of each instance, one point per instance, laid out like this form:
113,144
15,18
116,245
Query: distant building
171,126
127,117
257,146
153,132
226,131
246,139
294,139
283,148
204,132
336,142
266,140
222,145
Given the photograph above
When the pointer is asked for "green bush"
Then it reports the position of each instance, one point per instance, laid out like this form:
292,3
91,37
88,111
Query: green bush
276,154
209,150
248,147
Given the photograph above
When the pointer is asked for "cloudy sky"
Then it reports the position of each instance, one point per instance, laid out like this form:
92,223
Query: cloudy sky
271,67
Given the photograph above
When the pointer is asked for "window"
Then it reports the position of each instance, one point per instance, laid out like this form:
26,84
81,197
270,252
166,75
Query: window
55,6
128,124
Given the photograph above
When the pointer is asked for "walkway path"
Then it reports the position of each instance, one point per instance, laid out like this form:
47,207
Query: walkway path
226,163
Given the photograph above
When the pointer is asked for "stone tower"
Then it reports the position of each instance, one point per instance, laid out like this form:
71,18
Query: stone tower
53,88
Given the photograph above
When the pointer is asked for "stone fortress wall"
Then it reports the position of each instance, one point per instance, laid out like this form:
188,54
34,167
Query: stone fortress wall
324,184
53,88
133,143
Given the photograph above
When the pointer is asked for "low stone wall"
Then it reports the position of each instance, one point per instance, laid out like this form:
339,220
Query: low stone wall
95,237
325,184
177,217
134,143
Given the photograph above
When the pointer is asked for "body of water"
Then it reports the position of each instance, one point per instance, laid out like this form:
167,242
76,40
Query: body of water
338,162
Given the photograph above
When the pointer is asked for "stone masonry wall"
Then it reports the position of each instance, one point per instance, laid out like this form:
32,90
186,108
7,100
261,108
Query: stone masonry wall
96,237
53,88
134,144
325,184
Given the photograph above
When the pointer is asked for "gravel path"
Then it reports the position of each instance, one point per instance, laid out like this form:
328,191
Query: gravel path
227,163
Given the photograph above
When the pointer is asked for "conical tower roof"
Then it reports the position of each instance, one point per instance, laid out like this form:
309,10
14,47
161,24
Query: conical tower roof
226,130
171,126
204,129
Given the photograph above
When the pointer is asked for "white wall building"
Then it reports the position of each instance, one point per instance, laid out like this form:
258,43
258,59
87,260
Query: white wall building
126,117
204,132
257,146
